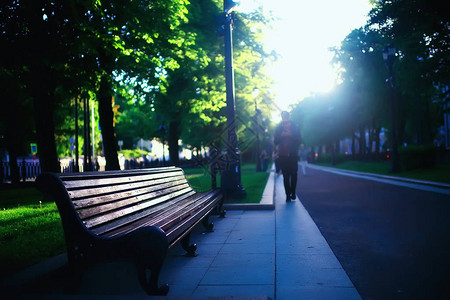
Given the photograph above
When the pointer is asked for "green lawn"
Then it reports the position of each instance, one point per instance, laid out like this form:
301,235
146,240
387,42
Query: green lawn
253,182
30,231
440,173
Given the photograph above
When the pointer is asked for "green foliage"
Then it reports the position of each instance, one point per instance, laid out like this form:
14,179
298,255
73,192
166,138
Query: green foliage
363,101
254,96
190,99
135,120
57,51
316,118
363,73
420,31
65,125
162,59
136,153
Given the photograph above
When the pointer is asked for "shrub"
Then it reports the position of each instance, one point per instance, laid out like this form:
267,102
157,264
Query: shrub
326,158
136,153
417,157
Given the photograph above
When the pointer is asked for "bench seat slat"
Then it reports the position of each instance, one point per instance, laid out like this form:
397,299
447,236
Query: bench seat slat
121,173
169,217
174,232
110,199
148,199
132,209
172,214
177,212
140,219
74,182
97,191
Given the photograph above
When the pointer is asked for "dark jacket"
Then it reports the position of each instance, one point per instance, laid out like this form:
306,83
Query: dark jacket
287,139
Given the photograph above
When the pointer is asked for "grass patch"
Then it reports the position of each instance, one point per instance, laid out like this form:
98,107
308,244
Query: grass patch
253,182
201,182
30,231
15,197
440,173
361,166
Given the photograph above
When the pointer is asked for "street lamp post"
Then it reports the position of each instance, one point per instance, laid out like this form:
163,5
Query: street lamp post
388,57
162,130
231,176
87,164
76,164
258,150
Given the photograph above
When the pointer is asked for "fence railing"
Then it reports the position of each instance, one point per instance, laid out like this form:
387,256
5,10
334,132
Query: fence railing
29,169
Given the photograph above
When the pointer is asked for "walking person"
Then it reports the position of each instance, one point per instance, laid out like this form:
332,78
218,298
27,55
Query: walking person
287,141
275,161
303,158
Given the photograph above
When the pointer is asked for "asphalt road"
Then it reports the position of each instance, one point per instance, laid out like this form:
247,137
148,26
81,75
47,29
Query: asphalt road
393,242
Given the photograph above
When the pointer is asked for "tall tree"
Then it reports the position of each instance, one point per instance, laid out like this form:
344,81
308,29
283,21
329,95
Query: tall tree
193,94
420,30
134,41
363,74
85,45
37,38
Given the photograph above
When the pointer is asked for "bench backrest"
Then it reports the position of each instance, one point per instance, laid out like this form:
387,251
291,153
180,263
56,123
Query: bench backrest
107,202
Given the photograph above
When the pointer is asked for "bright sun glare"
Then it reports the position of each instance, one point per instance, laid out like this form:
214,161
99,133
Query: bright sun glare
303,35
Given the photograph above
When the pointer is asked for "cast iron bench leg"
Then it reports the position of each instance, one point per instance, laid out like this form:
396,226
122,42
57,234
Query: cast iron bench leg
151,286
187,246
151,248
208,225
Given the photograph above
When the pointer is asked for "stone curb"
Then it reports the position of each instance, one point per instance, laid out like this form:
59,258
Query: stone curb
267,200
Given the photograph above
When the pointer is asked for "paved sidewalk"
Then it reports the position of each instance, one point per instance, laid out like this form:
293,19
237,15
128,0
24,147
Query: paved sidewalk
252,254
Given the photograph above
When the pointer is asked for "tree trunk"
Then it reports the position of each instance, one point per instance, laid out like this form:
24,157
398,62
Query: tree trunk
13,129
174,135
362,142
400,119
371,139
14,168
106,124
353,146
424,124
377,142
44,101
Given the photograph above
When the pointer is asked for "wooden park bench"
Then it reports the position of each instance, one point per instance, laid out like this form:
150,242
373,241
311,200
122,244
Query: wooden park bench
135,213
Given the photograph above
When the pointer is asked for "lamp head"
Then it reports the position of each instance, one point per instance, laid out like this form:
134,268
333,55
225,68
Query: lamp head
228,6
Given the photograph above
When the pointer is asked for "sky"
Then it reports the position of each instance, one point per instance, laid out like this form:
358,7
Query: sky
302,36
